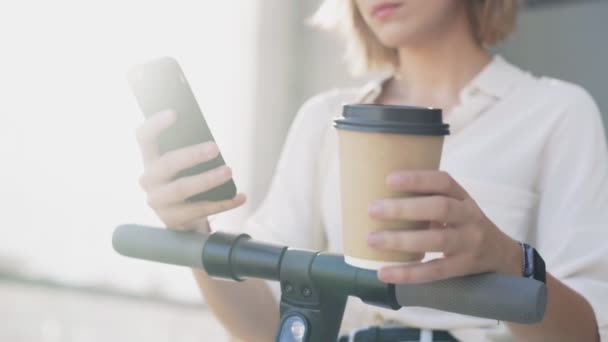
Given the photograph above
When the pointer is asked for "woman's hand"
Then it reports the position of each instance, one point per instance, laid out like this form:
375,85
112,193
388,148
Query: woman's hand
165,195
469,241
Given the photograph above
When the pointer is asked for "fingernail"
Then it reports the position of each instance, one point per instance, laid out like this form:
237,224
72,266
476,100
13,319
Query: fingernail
224,170
210,148
395,179
375,238
375,208
167,114
385,274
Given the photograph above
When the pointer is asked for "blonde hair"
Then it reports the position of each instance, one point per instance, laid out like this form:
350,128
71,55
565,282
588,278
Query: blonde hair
491,20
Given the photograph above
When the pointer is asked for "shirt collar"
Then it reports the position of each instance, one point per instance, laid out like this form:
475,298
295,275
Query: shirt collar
495,79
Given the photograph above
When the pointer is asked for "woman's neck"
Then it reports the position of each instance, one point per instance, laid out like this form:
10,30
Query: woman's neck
434,73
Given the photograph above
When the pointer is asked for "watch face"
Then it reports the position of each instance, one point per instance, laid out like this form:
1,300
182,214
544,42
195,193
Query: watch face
534,265
528,261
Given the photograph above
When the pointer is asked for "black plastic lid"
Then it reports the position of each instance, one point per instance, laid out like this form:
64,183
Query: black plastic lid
392,119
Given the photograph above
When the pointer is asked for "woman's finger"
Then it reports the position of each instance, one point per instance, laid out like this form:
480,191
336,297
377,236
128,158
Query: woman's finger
147,134
447,240
164,168
433,270
422,208
426,182
185,187
177,216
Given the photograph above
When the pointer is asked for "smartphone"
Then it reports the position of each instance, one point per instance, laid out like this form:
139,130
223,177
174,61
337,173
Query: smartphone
160,84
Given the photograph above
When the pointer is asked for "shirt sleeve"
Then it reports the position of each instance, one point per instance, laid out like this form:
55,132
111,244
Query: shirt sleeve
572,231
290,212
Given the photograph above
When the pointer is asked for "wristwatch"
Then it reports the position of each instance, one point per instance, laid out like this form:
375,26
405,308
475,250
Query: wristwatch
533,265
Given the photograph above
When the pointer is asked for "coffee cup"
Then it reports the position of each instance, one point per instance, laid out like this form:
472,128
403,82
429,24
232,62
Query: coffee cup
374,141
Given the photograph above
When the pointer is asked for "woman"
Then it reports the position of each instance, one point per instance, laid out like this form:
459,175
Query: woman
526,161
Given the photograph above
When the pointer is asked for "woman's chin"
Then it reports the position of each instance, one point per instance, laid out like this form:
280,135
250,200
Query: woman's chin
393,41
394,38
401,40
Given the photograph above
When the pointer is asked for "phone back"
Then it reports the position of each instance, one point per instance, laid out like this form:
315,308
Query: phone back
159,85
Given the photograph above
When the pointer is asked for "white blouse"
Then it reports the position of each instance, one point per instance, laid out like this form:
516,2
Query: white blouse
530,150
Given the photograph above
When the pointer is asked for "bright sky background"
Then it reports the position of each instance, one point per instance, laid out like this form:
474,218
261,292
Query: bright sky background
69,159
